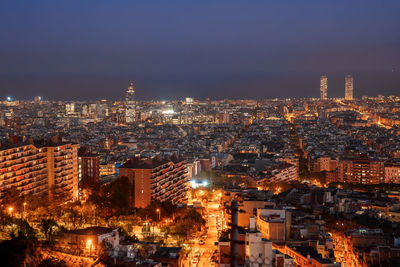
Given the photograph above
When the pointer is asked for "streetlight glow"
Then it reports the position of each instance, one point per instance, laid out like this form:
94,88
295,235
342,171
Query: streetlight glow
159,214
89,246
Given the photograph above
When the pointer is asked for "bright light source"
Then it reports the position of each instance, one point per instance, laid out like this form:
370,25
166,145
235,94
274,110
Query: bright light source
168,111
195,184
89,243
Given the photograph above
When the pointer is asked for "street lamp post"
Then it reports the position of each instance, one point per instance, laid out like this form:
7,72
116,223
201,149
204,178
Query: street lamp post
89,243
24,210
10,209
159,214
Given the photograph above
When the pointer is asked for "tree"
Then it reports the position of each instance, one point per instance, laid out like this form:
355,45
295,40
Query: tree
5,219
112,198
49,228
12,199
304,172
191,221
26,230
36,201
217,179
120,193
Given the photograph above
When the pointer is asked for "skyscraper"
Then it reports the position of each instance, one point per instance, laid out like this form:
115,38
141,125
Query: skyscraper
324,87
348,87
130,112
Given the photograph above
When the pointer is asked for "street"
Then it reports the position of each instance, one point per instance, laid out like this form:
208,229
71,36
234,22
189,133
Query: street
201,254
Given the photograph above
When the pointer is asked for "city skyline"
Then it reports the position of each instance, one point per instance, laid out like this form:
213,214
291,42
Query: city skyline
181,133
154,90
203,50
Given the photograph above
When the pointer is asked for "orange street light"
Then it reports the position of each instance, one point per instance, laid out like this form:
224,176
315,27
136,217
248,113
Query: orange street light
159,214
24,209
89,245
10,209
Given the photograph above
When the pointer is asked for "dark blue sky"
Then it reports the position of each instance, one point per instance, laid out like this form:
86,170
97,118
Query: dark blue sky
201,48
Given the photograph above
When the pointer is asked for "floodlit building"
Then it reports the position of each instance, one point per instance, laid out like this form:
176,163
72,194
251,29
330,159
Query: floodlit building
324,87
40,168
274,224
348,83
258,249
156,178
89,166
130,112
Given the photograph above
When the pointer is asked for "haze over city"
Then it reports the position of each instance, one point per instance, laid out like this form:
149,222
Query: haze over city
252,133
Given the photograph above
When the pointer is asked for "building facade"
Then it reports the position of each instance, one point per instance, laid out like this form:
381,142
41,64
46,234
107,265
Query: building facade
130,111
348,84
273,224
89,167
324,88
156,179
35,169
361,170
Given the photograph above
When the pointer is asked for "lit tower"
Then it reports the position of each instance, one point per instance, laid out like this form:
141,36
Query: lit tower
324,87
130,112
348,87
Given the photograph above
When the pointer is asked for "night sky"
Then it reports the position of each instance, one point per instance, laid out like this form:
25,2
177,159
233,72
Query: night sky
71,50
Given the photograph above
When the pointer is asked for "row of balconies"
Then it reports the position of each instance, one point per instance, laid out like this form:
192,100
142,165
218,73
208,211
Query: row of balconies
37,190
62,169
26,160
26,181
160,168
16,152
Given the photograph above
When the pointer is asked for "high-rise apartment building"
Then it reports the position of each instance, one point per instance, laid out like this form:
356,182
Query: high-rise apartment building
360,170
89,166
130,111
156,179
40,168
324,87
348,90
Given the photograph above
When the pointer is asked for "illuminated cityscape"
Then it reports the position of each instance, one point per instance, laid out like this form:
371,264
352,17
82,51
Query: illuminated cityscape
198,134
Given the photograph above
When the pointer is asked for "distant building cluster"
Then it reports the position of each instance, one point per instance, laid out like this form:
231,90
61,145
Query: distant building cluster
295,182
348,87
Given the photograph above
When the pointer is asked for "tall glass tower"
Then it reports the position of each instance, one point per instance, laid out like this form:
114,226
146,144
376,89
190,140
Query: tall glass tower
130,111
348,87
324,87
